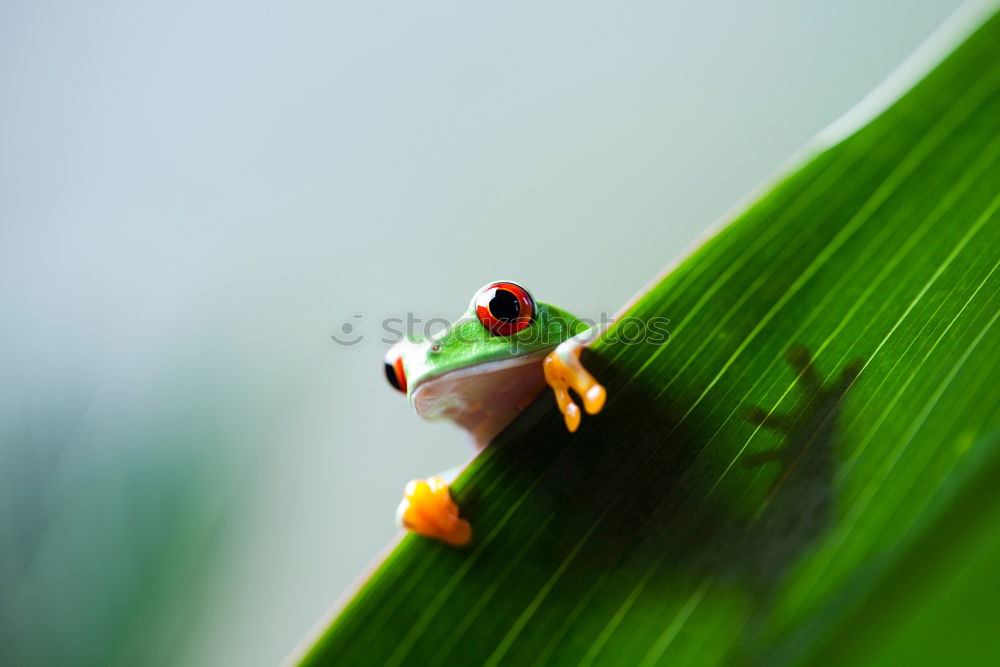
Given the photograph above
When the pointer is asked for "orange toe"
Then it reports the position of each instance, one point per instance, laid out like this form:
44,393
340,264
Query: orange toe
427,509
563,371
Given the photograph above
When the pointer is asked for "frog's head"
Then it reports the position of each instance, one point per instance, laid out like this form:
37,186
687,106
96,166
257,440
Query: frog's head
485,367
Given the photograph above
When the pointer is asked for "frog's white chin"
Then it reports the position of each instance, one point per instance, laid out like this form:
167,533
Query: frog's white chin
483,398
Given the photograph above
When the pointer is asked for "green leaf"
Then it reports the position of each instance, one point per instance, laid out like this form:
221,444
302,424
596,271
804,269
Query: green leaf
798,466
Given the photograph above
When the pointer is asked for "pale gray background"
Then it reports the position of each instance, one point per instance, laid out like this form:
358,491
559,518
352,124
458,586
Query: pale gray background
195,195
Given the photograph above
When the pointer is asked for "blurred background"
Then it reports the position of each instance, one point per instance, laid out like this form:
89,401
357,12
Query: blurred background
195,196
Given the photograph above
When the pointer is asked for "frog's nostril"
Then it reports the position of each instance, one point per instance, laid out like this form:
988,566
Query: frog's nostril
394,372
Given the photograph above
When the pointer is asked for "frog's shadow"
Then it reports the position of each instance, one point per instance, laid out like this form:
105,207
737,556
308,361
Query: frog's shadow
649,503
799,505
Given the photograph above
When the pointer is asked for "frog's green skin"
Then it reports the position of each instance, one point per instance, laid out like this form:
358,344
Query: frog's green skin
476,378
466,343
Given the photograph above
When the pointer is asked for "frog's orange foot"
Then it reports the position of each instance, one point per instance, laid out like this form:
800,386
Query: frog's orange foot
563,371
427,509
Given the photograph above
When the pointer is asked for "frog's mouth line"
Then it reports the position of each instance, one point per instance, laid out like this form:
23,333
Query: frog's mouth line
485,368
483,398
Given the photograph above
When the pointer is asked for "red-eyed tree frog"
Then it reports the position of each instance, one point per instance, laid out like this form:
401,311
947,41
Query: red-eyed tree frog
481,372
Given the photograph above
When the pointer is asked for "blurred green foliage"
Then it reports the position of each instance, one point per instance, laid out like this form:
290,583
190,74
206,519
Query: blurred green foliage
95,556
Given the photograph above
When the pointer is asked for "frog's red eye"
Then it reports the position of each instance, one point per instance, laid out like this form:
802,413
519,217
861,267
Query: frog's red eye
394,369
505,308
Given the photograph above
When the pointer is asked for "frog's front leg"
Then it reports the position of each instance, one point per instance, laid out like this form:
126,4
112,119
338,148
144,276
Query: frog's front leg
427,509
564,371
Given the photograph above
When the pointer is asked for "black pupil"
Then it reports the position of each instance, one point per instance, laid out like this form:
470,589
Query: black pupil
505,306
390,374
